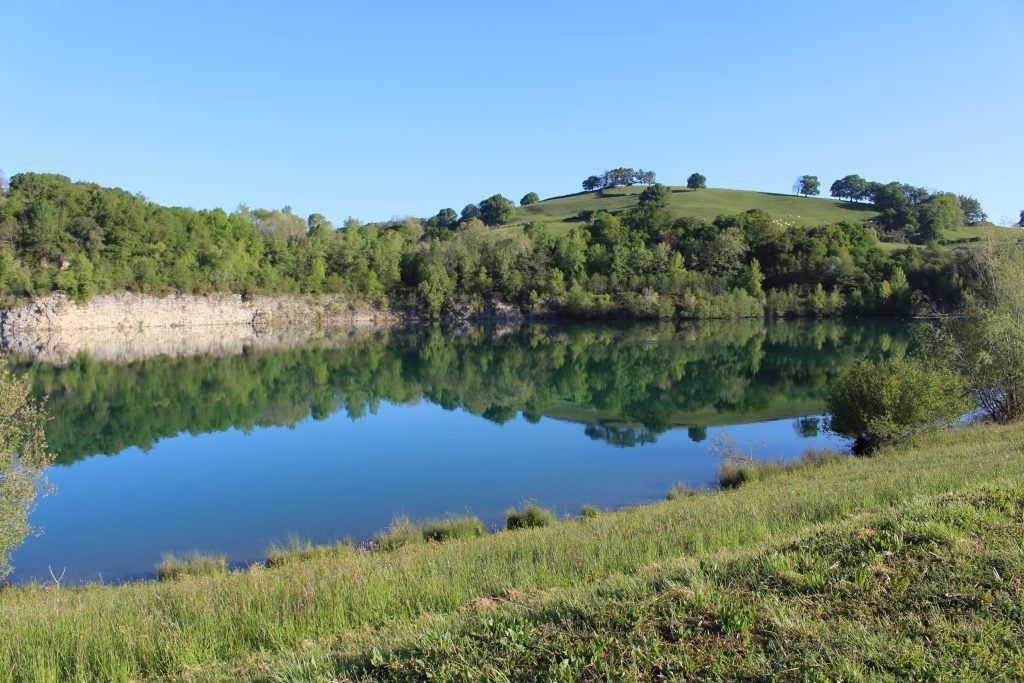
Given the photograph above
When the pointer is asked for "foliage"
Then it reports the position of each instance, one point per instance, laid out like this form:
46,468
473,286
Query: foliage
851,187
619,177
529,198
590,512
807,185
893,400
529,517
23,460
496,210
643,261
986,342
970,209
696,181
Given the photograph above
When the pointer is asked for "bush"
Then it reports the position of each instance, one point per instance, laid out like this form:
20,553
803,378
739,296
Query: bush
893,400
529,517
529,198
684,490
193,564
590,511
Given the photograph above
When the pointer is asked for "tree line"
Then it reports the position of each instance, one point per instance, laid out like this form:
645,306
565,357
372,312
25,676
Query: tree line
645,262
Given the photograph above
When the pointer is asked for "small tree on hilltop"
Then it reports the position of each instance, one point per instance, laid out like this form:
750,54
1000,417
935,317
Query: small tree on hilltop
496,210
529,198
592,183
469,212
807,185
696,181
851,187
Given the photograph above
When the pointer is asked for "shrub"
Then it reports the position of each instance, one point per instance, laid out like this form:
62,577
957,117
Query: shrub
683,490
532,515
193,564
529,198
893,400
590,511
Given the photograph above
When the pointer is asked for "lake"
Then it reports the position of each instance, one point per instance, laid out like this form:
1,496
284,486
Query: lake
333,439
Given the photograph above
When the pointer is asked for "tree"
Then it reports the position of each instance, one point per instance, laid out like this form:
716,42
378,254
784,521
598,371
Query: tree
986,342
592,183
807,185
469,212
529,198
496,210
1020,223
696,181
23,459
654,196
894,400
851,187
445,218
971,210
941,212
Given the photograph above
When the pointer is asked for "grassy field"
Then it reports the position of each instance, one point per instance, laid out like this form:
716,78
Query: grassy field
905,565
561,213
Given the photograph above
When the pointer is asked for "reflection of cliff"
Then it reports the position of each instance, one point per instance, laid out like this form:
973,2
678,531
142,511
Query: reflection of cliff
627,384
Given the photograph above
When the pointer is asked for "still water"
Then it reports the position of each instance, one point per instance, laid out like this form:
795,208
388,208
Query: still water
227,454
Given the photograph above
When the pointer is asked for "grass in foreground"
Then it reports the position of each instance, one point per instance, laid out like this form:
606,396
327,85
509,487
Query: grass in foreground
741,581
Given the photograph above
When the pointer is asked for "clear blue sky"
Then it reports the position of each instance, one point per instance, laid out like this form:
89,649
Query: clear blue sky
381,109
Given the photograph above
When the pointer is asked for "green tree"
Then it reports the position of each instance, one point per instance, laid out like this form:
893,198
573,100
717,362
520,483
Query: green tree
807,185
23,460
893,400
654,196
445,218
469,212
936,215
529,198
851,187
696,181
986,342
592,183
496,210
971,210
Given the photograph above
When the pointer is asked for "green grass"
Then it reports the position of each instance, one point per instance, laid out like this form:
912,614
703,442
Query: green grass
404,532
856,568
172,568
560,212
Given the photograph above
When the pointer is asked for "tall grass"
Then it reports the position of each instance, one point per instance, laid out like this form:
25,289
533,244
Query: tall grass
298,550
531,516
734,473
404,532
226,621
172,567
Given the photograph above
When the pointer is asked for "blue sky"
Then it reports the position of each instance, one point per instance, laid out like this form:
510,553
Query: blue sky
381,109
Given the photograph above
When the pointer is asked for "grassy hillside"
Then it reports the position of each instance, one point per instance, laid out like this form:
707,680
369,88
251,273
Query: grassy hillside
704,204
561,213
904,565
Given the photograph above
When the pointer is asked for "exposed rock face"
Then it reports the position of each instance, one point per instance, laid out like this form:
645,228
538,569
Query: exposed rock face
128,326
113,327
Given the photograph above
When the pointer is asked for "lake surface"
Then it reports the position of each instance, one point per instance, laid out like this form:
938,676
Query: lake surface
228,454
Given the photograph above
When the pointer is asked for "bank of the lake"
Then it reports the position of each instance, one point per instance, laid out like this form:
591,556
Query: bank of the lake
907,564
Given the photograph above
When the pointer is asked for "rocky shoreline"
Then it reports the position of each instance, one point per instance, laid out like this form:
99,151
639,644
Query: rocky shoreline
117,327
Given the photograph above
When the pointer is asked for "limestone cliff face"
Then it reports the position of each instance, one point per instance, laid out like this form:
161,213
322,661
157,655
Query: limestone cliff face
126,326
117,327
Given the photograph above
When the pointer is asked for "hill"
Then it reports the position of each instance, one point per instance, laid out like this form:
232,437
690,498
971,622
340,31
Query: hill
563,212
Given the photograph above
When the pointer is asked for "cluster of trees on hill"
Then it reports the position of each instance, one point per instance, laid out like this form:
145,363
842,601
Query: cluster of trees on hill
645,262
907,213
619,177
